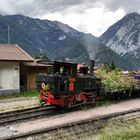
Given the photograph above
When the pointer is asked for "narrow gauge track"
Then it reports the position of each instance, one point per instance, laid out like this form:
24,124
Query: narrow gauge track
76,128
24,114
10,117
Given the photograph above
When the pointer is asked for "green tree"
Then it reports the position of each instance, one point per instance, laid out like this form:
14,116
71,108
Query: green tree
44,57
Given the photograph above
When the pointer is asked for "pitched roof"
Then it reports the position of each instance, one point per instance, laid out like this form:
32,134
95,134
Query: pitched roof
12,52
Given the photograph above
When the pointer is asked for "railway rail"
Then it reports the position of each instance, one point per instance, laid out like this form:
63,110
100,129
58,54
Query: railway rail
76,128
24,114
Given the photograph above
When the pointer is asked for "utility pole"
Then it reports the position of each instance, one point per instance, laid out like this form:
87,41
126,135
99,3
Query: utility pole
8,34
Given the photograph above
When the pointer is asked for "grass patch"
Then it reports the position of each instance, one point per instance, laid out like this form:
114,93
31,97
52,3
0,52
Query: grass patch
121,131
17,95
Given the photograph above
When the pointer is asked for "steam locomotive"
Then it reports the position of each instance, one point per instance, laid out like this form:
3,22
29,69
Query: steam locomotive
68,86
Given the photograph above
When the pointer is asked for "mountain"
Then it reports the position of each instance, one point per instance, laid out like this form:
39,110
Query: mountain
56,40
123,37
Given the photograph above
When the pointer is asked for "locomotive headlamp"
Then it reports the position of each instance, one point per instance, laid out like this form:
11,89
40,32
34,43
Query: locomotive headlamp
43,85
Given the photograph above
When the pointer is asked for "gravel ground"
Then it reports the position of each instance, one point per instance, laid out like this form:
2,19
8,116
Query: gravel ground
12,104
69,117
18,103
7,131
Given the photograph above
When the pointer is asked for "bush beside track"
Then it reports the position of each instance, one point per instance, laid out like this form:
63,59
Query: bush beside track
118,85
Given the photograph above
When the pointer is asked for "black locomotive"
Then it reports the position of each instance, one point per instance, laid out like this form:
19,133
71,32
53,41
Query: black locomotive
69,86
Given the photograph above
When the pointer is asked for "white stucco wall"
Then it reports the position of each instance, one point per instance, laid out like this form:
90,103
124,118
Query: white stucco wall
9,76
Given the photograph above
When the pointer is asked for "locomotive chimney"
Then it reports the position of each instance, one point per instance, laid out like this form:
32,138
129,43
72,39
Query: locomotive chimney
92,62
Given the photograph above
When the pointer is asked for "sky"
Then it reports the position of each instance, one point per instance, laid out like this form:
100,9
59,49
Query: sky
89,16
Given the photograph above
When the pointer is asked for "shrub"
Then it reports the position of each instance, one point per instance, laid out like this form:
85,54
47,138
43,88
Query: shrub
114,80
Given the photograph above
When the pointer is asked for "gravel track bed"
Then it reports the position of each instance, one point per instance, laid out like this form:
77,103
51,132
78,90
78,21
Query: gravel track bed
69,117
82,128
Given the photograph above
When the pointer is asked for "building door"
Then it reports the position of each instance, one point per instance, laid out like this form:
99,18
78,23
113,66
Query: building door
32,80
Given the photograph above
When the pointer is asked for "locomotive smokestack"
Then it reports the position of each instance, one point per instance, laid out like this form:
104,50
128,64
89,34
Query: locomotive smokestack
92,62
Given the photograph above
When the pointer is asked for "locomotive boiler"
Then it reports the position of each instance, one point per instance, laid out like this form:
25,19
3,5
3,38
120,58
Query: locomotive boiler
68,86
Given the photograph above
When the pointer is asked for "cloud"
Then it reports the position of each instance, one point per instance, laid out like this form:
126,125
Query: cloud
127,5
93,16
35,7
92,20
39,7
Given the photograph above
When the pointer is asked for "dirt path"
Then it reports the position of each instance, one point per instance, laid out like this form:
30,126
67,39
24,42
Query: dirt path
18,103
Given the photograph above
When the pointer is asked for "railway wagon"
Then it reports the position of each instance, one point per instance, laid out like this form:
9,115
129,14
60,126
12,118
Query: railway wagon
67,87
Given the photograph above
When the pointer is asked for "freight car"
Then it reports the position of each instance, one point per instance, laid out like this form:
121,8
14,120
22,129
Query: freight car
67,87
